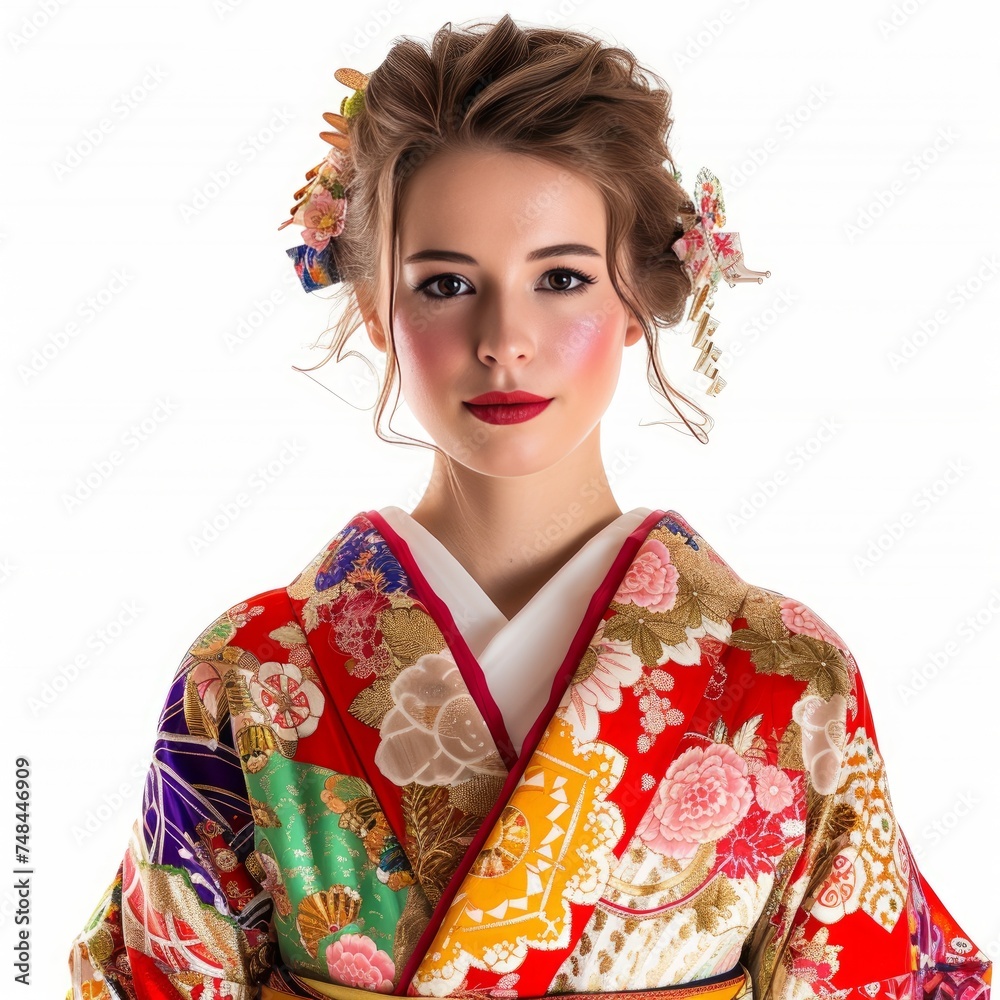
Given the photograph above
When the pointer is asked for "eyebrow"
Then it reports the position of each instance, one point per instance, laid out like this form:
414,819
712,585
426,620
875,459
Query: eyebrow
557,250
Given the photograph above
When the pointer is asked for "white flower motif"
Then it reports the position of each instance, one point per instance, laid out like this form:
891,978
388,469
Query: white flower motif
792,829
434,734
822,726
292,702
617,667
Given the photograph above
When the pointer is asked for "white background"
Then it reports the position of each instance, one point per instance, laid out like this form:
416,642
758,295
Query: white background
821,122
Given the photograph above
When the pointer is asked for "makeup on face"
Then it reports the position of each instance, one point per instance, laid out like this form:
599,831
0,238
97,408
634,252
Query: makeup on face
496,407
525,317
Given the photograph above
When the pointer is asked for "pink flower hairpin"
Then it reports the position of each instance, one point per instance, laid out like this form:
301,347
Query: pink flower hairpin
710,254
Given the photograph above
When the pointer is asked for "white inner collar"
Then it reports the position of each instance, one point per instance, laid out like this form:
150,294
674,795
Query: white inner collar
519,656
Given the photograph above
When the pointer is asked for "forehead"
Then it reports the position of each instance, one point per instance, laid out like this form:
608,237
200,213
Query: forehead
484,196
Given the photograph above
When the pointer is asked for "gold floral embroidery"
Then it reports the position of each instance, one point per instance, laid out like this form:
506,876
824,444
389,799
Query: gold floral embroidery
371,704
714,904
720,590
868,868
811,955
759,607
649,631
773,650
478,795
410,633
437,835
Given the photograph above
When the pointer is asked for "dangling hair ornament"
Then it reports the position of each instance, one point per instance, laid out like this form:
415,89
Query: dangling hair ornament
321,205
708,254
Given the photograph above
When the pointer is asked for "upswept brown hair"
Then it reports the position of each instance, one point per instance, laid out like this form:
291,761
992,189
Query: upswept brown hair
562,96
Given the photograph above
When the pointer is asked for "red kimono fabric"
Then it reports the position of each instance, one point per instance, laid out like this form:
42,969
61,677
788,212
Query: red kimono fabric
334,799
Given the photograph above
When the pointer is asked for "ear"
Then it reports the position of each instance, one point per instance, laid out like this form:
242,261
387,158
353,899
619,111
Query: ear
633,330
375,332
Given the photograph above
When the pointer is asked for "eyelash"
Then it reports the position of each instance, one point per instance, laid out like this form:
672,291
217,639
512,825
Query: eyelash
586,279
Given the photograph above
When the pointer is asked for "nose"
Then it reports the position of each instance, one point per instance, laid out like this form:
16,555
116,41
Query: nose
504,333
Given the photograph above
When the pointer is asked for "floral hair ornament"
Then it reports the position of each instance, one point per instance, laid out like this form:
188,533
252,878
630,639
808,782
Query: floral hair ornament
321,205
709,254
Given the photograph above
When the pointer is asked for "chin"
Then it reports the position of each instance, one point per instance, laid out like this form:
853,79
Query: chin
504,461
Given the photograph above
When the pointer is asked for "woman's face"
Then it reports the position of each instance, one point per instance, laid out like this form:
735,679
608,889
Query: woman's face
486,301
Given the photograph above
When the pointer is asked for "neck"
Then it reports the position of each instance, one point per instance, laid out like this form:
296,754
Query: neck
513,533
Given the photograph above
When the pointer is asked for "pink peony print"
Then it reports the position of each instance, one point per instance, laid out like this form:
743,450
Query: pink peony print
774,789
803,621
651,580
354,960
704,795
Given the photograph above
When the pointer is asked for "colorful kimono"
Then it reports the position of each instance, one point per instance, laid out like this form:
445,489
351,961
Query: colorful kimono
335,799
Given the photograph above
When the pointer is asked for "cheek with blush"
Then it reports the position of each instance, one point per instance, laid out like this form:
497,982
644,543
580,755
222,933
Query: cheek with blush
427,362
588,345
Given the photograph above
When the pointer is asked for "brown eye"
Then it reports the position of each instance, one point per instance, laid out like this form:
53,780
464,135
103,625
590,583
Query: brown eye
449,283
565,275
432,287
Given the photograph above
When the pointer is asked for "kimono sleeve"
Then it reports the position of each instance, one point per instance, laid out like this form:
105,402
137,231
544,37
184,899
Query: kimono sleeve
182,916
854,916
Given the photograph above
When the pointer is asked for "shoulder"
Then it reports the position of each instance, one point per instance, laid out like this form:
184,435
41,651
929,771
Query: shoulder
772,616
768,614
785,655
788,641
249,624
332,563
271,618
782,617
812,676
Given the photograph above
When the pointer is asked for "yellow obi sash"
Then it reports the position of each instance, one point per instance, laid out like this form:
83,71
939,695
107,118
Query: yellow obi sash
727,986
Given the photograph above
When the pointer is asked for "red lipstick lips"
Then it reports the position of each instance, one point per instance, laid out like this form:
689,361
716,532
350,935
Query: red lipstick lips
506,407
507,397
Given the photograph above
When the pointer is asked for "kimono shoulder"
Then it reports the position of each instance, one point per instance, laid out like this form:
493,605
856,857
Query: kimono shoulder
188,911
848,909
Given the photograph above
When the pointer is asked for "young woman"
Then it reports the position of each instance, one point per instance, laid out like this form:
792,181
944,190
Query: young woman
516,742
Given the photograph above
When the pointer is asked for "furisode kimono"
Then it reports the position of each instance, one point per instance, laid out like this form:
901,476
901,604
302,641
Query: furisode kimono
336,799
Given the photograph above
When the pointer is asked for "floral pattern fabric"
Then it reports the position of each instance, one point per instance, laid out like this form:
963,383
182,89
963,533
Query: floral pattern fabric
333,798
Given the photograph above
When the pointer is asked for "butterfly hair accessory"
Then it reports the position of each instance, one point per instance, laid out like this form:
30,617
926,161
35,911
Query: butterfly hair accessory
710,254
